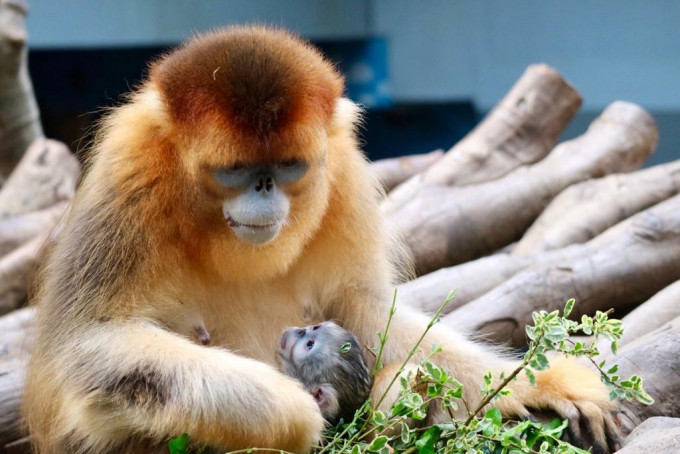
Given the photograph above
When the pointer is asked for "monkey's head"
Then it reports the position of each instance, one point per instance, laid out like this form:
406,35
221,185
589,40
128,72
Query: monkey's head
251,111
329,362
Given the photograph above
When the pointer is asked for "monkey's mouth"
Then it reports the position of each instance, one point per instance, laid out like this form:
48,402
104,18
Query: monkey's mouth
235,224
254,233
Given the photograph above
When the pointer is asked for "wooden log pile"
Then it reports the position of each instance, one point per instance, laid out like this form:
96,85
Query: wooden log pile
510,218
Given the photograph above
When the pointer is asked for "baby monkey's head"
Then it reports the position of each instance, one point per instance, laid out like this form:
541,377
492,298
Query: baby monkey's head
329,362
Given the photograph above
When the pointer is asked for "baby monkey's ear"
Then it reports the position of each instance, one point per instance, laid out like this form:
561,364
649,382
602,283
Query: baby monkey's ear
327,399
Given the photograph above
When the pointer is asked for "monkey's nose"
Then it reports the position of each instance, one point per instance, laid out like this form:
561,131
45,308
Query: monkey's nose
264,183
301,332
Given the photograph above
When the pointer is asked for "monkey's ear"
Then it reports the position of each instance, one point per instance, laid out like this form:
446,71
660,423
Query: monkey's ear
327,399
346,115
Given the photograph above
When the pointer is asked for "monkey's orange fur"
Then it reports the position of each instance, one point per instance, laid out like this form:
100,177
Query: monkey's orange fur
146,241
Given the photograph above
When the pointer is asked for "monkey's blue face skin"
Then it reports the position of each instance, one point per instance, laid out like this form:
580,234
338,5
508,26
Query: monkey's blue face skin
259,211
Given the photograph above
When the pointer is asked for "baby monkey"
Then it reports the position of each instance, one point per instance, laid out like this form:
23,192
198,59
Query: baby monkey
329,362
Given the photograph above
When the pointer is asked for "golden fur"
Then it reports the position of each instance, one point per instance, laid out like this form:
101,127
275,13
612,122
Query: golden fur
146,242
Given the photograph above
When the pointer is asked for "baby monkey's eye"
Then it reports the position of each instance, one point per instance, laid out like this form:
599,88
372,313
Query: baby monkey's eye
310,344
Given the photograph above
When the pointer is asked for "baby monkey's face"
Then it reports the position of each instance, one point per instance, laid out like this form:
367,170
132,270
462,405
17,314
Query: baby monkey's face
329,362
300,345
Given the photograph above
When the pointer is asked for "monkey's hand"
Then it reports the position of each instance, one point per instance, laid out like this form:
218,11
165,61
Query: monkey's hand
574,392
152,382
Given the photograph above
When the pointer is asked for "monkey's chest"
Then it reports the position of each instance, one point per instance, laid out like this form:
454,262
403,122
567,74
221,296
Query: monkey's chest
253,326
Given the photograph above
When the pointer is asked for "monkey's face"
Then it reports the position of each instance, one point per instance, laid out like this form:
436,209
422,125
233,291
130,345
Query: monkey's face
260,206
300,346
261,190
318,350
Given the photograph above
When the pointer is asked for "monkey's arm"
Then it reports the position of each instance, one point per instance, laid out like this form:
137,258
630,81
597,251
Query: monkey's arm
571,390
141,379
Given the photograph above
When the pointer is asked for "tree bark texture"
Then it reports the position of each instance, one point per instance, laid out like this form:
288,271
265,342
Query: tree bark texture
47,174
19,116
444,226
627,265
586,209
520,130
394,171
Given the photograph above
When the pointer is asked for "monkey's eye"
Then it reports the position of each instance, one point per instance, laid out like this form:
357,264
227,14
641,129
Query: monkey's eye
310,344
238,175
289,171
289,163
236,167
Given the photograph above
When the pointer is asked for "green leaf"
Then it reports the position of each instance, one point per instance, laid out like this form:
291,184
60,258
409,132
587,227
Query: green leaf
379,418
487,378
405,433
494,414
644,398
531,377
542,361
178,445
378,444
345,347
568,307
427,440
531,332
555,427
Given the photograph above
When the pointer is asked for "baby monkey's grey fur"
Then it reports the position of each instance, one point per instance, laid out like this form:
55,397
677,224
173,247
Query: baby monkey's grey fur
329,362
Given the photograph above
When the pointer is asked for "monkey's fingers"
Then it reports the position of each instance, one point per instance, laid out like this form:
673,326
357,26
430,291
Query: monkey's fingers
591,426
588,425
577,394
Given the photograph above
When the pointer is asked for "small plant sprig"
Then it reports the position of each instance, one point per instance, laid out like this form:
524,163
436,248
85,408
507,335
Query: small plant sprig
551,332
377,432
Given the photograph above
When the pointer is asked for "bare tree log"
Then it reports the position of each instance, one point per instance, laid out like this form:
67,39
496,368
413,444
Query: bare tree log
659,309
655,358
473,279
11,389
584,210
16,271
628,264
446,226
19,116
470,281
654,436
394,171
21,229
47,174
648,316
520,130
15,337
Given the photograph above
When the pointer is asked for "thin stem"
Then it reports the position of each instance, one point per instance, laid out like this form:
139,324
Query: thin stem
505,382
413,350
383,339
599,369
